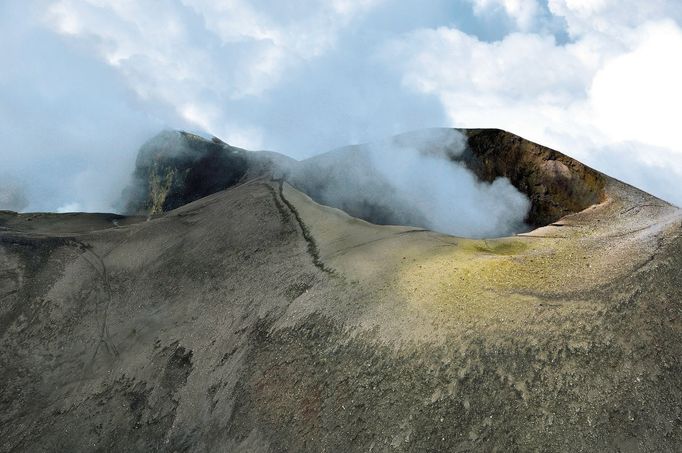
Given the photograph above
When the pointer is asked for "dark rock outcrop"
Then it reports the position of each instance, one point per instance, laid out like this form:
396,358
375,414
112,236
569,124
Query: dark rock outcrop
176,168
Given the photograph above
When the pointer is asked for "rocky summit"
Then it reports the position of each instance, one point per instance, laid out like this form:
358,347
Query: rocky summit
233,309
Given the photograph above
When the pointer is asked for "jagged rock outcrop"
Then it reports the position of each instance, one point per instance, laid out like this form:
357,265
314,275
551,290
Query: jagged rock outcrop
175,168
255,319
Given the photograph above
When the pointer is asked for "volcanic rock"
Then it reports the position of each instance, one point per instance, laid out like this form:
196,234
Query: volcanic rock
255,319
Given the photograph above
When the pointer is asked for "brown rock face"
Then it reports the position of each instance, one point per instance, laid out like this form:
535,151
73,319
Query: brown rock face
556,184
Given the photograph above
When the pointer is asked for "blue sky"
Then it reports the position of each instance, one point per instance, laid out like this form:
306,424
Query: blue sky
85,82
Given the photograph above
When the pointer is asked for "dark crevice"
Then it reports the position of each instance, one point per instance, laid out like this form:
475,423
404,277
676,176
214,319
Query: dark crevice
313,249
283,212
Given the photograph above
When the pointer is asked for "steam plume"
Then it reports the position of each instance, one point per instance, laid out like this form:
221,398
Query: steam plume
415,179
12,195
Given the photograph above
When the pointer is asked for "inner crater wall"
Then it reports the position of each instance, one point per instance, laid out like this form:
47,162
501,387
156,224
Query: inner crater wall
556,184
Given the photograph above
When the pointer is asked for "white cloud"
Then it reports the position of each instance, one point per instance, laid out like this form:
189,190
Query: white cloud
195,56
612,18
231,47
638,96
589,97
523,12
302,28
520,67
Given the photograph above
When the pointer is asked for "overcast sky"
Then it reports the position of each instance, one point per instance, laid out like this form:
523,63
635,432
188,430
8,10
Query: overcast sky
84,83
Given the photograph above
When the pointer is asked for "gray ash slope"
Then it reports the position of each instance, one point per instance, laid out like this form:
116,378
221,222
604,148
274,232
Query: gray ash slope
254,319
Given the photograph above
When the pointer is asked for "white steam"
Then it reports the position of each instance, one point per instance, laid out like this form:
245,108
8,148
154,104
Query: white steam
12,194
415,179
